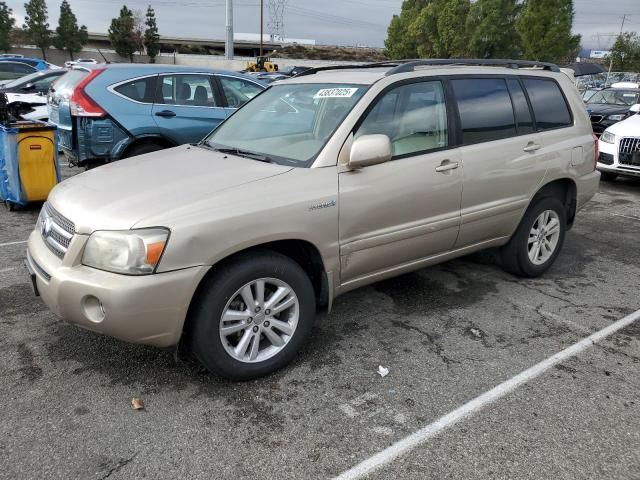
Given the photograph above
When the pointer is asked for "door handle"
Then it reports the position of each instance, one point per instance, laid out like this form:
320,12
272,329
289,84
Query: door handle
531,147
166,113
446,165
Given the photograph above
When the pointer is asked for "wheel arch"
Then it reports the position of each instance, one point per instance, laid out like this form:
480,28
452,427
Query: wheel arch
303,252
143,139
566,190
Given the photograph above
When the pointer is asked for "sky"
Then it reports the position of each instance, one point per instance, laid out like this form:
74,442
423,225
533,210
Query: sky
343,22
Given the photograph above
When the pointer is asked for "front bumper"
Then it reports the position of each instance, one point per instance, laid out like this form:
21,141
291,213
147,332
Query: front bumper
148,309
609,160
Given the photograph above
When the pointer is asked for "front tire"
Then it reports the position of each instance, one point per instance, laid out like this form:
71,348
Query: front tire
252,316
538,240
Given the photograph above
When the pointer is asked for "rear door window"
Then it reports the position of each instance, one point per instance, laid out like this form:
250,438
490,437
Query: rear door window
413,116
139,90
524,121
188,90
549,105
486,112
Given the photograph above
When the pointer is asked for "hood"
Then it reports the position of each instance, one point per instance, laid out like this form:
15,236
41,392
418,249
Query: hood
119,195
602,109
629,127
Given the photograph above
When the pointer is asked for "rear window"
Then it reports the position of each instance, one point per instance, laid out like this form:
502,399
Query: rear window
549,106
69,80
140,90
485,109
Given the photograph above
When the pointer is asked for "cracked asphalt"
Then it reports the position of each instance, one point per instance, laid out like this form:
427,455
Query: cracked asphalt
447,334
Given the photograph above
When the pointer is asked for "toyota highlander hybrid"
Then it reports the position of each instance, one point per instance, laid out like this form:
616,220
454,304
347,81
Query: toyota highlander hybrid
329,181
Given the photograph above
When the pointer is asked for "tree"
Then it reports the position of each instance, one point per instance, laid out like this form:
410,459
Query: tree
429,28
7,23
151,37
492,28
545,29
625,54
121,34
400,43
69,36
36,26
138,30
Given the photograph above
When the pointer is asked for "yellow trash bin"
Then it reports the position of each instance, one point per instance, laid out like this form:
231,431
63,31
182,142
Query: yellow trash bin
28,167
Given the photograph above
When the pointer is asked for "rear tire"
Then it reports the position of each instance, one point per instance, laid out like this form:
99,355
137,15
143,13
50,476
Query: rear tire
142,148
226,347
538,240
608,176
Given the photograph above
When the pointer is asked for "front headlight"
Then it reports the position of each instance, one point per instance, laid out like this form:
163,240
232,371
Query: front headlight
608,137
132,252
616,118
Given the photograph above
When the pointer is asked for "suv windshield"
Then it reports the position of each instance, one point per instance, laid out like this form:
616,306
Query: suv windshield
288,123
615,97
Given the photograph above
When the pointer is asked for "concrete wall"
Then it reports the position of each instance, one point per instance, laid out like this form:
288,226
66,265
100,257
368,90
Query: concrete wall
58,57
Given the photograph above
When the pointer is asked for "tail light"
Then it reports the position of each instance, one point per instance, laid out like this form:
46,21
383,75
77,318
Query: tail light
81,104
596,151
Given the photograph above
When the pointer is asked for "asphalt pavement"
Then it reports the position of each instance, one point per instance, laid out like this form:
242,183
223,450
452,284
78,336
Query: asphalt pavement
447,334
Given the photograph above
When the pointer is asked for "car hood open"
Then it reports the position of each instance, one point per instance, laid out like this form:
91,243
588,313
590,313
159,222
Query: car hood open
121,194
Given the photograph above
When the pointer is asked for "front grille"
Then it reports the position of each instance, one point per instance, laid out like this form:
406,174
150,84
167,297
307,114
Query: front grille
629,152
605,158
57,231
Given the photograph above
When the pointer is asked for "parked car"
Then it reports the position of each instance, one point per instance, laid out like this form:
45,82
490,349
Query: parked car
293,71
31,106
37,82
110,112
620,148
323,183
71,63
588,93
610,106
16,67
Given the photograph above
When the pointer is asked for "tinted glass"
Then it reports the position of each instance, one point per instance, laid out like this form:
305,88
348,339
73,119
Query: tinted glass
549,106
413,116
524,121
238,91
22,68
485,109
190,90
140,90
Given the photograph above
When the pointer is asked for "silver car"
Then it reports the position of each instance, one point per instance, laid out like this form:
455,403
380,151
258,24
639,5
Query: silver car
323,183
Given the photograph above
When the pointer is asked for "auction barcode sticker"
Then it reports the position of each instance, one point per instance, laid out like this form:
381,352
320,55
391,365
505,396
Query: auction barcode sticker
335,93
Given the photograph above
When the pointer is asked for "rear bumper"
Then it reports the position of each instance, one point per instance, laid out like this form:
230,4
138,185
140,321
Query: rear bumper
147,309
92,139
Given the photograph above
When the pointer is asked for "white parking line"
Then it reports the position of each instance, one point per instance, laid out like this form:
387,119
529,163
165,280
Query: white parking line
627,216
13,243
407,444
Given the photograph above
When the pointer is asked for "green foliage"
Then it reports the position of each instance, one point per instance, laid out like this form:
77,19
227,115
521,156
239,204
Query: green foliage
625,54
545,28
69,36
7,23
151,37
36,26
492,28
122,35
400,43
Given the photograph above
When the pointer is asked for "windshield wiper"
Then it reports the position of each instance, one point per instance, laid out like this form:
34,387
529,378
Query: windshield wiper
244,153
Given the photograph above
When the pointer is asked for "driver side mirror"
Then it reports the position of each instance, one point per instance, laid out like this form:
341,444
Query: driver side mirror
635,109
370,150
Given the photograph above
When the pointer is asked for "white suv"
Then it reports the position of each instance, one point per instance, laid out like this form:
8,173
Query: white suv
619,147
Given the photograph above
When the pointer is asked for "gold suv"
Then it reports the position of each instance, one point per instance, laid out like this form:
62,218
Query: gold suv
337,178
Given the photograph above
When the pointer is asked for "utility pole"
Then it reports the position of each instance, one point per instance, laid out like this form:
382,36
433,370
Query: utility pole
261,25
624,19
228,44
